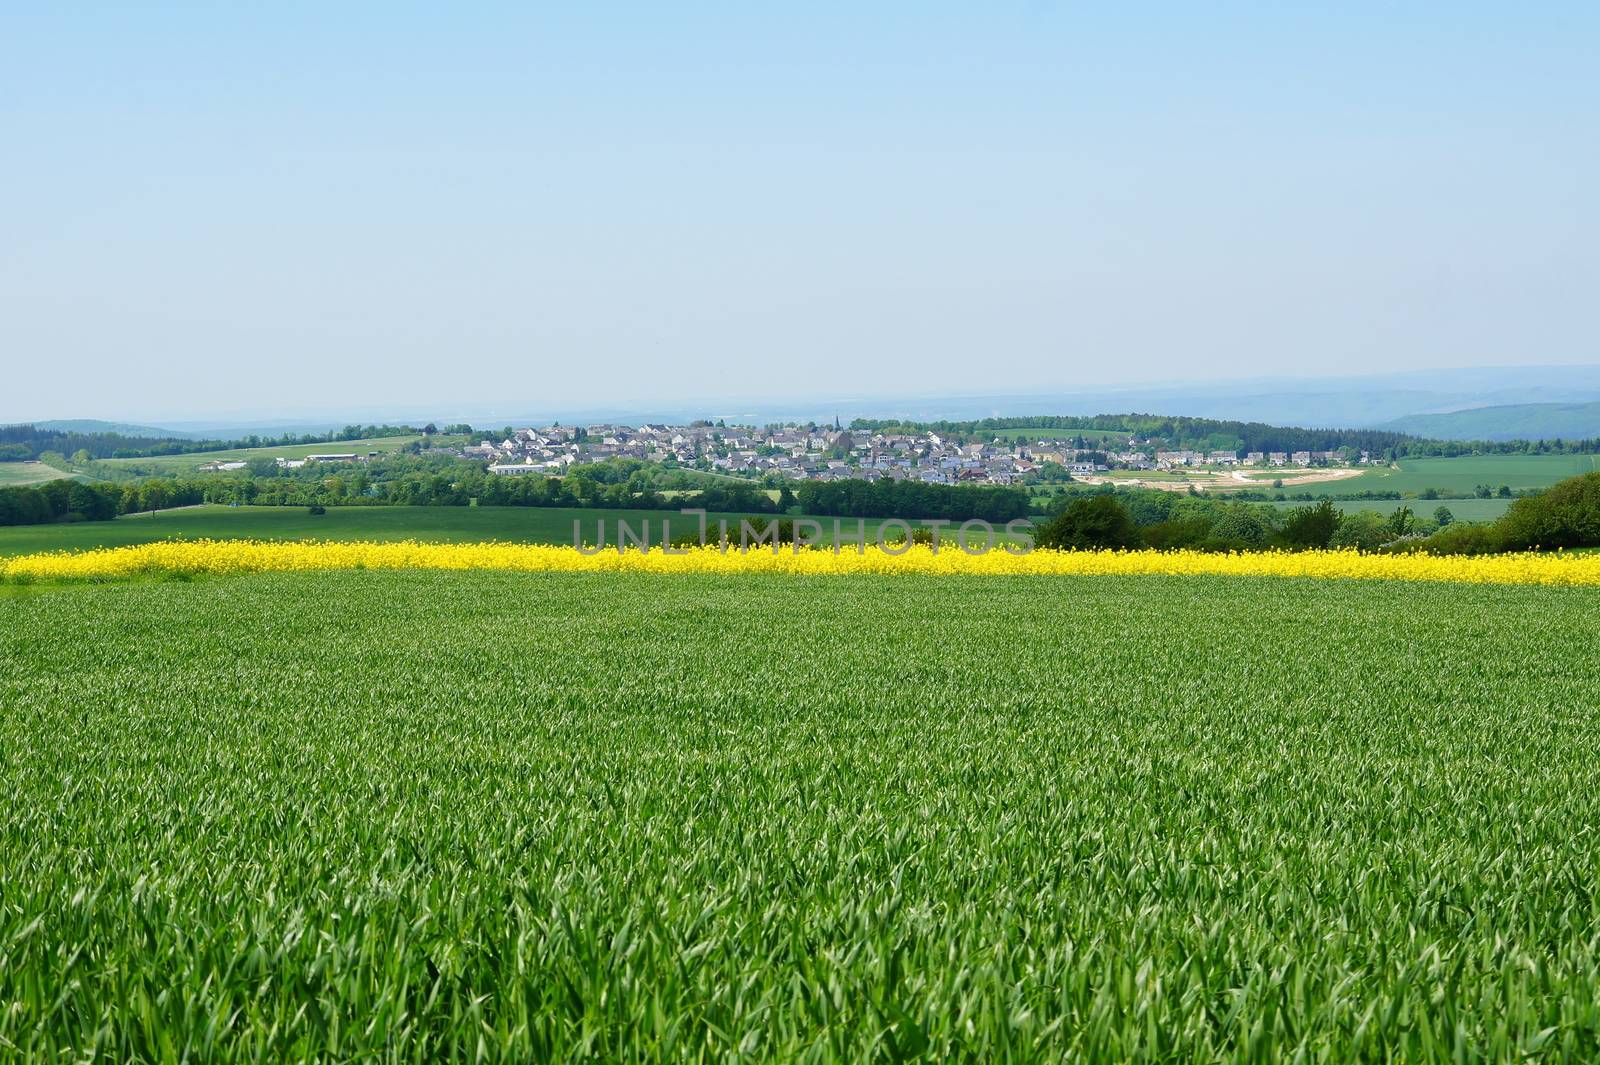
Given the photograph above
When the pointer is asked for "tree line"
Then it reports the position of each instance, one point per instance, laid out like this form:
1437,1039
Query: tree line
1176,431
424,485
1220,434
69,500
911,499
22,443
1166,521
1567,515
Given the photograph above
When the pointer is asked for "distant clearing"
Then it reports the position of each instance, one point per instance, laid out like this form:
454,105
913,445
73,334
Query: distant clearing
13,474
190,463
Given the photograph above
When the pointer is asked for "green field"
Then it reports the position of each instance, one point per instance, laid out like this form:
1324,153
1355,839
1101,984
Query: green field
369,816
545,525
13,474
1461,475
1460,509
189,464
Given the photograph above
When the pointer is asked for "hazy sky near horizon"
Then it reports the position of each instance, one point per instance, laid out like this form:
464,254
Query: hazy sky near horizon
307,207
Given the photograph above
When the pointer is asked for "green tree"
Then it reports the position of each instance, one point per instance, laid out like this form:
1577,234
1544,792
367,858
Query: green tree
1090,522
1364,530
1402,522
1311,527
1565,515
1240,528
1443,516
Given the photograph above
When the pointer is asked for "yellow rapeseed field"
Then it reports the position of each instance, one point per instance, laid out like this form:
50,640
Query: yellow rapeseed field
251,556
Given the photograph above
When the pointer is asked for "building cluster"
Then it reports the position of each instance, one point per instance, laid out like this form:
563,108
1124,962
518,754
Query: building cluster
810,452
229,465
1167,460
823,453
794,452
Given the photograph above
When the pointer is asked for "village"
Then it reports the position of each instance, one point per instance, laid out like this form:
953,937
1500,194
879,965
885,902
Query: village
809,452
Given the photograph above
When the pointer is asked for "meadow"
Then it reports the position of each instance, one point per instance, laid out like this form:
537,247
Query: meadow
1460,476
1460,509
441,816
529,525
13,474
189,464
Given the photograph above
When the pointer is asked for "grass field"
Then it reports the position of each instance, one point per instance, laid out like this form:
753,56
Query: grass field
14,474
395,816
1460,509
191,463
535,525
1462,475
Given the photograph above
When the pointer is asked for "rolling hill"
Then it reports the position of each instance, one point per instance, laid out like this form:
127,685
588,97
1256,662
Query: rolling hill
93,425
1519,421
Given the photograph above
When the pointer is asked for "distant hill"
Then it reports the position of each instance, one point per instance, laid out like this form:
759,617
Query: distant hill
92,425
1368,401
1519,421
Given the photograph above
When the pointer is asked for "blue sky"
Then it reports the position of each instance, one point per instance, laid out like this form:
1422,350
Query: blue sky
310,208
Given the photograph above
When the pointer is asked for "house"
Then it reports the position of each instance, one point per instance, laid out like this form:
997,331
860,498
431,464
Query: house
510,469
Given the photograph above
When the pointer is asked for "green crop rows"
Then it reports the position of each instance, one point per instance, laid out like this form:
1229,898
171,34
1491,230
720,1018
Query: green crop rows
433,816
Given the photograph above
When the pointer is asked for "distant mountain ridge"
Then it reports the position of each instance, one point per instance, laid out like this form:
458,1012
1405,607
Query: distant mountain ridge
94,425
1519,421
1546,400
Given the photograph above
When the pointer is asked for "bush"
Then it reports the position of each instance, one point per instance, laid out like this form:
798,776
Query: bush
1088,523
1403,523
1458,539
783,534
1177,534
1567,515
1239,529
1364,530
1311,527
316,509
918,536
1151,507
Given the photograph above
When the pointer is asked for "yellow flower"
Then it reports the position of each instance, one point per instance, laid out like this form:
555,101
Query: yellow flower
249,556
